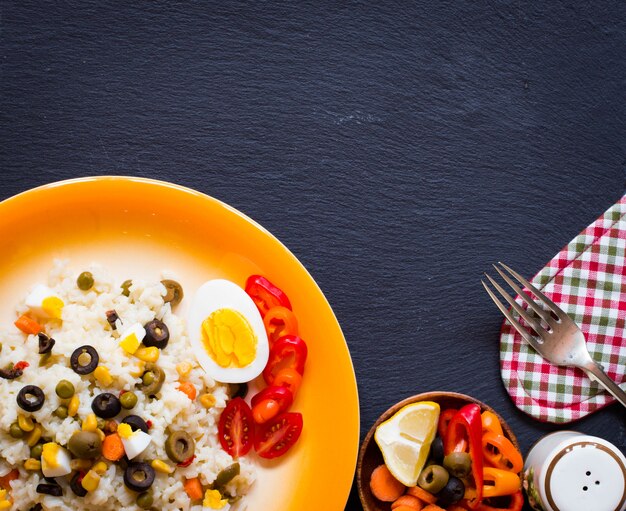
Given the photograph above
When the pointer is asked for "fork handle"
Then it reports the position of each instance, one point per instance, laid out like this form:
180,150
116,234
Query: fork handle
595,372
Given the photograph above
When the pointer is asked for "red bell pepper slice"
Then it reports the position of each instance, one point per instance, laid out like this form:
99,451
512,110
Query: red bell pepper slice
444,419
279,321
516,503
265,294
270,402
464,433
289,351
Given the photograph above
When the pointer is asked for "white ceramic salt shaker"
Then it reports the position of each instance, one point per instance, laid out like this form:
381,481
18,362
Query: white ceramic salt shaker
571,471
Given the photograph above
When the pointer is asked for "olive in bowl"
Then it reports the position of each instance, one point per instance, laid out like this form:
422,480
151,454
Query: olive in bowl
446,486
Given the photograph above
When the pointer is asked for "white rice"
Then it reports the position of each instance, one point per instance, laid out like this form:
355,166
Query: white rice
84,322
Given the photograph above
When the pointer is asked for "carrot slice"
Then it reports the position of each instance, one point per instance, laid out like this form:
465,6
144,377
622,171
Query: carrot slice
422,494
187,388
384,486
433,507
28,325
407,501
404,508
193,488
6,479
112,447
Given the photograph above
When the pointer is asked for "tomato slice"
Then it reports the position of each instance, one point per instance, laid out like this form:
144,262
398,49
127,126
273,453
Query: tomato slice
275,437
265,294
235,428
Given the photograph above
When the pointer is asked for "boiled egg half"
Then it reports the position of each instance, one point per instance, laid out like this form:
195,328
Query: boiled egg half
44,302
227,333
55,460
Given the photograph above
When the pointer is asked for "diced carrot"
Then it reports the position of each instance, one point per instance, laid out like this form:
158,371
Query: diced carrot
433,507
112,447
193,488
408,501
404,508
384,486
6,479
28,325
187,388
422,494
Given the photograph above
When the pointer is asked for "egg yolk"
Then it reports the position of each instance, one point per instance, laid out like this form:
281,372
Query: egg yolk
229,339
213,500
50,454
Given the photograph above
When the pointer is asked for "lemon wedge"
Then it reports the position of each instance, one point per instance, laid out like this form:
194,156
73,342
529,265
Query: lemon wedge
405,439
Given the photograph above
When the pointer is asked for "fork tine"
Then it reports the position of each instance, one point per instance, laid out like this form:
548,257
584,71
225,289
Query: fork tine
529,301
507,313
553,306
518,308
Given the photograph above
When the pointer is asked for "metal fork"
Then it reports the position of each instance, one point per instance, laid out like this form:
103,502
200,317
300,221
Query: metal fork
562,342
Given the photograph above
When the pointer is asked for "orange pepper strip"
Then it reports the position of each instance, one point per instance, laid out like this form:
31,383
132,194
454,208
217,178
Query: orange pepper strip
193,488
500,452
491,423
498,483
280,321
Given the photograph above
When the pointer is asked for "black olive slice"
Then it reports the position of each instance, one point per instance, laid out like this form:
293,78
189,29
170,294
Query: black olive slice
32,403
112,317
45,343
106,405
79,365
49,489
135,422
76,486
157,334
138,476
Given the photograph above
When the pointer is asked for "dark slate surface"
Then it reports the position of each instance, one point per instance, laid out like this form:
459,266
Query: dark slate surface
397,149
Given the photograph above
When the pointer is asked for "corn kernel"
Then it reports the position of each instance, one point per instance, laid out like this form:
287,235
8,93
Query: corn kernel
161,466
101,434
207,400
130,343
141,367
100,467
72,408
32,464
90,423
184,368
91,481
34,436
103,376
80,464
25,423
5,504
3,494
150,354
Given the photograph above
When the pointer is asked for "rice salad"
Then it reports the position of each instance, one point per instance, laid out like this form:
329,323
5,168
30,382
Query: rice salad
85,322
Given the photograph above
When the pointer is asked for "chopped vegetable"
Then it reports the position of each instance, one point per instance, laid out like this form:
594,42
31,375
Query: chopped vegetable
161,466
84,360
112,447
32,465
34,436
433,507
85,281
28,325
135,423
174,292
226,475
407,501
100,468
157,334
90,423
500,452
183,369
193,487
5,480
207,400
271,401
45,343
13,371
138,476
65,389
490,422
422,494
280,321
384,486
179,446
49,489
188,389
128,400
150,354
112,318
72,407
444,419
498,483
25,423
277,436
91,481
289,378
288,352
106,405
103,375
265,294
235,428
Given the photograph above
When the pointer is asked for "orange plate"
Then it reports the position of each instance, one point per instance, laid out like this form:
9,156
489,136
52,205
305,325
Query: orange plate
138,228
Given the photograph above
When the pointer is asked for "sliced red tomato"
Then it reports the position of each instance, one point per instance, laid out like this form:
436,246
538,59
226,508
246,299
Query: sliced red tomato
265,294
236,428
275,437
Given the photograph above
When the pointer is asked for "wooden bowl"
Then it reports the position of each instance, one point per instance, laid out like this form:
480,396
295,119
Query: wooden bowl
370,456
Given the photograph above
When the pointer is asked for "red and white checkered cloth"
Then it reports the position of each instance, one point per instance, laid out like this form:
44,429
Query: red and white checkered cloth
587,279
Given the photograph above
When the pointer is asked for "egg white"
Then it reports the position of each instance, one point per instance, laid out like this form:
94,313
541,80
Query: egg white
224,294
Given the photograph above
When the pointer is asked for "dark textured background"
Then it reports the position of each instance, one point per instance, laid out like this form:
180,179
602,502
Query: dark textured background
396,149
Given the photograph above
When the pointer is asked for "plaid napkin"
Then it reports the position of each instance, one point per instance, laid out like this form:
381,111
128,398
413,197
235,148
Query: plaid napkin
587,279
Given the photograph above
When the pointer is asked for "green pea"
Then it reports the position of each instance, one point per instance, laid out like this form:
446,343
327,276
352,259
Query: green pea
129,399
60,412
85,281
126,287
65,389
35,451
144,500
15,431
148,378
